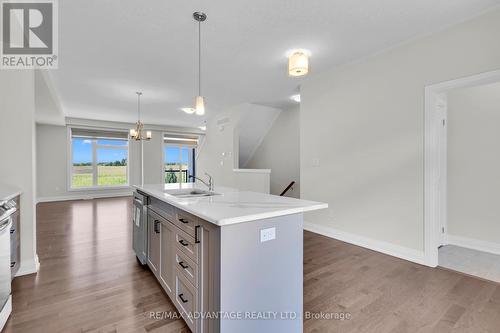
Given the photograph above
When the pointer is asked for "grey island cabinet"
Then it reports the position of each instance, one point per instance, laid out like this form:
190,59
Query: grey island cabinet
230,261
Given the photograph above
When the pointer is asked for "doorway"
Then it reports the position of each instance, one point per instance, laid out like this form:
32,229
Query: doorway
436,233
443,245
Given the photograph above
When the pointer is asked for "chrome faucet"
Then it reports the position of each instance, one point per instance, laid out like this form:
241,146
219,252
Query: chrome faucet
210,183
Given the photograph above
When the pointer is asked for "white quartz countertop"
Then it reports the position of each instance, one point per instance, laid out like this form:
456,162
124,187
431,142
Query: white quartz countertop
8,192
231,205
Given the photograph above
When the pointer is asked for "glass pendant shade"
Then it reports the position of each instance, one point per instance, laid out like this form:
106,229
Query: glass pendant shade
298,64
200,106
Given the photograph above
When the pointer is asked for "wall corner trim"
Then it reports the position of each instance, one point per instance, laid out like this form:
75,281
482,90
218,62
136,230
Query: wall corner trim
29,266
369,243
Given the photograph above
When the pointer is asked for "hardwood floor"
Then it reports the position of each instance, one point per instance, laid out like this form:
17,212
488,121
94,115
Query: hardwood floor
89,281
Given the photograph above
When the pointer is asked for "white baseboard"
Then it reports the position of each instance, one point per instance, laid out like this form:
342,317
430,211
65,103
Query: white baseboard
369,243
474,244
29,267
5,312
84,196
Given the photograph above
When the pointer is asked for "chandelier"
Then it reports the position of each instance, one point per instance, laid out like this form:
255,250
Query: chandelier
137,133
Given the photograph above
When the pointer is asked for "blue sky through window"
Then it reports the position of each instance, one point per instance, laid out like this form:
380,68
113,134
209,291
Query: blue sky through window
172,155
110,155
82,151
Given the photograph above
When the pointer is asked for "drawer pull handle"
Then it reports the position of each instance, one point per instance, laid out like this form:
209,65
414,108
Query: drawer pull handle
181,297
157,230
12,264
183,242
184,221
183,265
196,239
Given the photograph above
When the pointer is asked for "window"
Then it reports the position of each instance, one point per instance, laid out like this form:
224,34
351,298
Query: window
179,158
98,158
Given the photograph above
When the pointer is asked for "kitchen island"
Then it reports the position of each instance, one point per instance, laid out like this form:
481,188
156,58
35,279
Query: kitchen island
230,261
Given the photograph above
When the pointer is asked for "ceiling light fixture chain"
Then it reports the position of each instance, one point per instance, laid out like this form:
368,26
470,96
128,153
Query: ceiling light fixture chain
199,58
139,104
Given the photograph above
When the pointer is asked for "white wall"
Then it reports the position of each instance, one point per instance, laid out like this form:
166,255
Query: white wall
219,153
17,168
52,148
256,180
254,123
362,128
47,107
153,159
280,152
474,163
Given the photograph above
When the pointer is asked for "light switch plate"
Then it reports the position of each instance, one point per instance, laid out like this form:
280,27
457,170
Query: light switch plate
267,234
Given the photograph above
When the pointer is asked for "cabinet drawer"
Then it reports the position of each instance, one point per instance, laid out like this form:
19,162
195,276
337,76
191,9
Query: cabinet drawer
186,222
187,267
186,299
186,244
162,208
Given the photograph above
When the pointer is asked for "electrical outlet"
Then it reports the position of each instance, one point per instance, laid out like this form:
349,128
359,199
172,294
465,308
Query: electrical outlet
315,162
267,234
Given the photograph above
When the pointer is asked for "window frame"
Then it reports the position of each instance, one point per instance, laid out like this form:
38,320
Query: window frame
95,147
180,146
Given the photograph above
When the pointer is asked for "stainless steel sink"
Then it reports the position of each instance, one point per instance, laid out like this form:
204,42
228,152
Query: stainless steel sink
190,193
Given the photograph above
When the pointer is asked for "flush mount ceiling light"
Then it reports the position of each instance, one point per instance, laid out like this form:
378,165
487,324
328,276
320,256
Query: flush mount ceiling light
137,133
189,110
199,102
298,63
295,98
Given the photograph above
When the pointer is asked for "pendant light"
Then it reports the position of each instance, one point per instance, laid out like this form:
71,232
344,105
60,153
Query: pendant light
298,63
137,133
199,102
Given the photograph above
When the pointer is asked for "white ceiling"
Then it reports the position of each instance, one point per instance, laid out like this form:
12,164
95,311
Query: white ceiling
110,49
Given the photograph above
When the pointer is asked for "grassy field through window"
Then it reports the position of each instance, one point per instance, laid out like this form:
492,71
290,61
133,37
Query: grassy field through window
106,176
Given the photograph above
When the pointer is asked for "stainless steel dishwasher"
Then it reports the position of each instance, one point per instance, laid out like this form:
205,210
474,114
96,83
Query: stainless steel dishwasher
6,211
139,226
